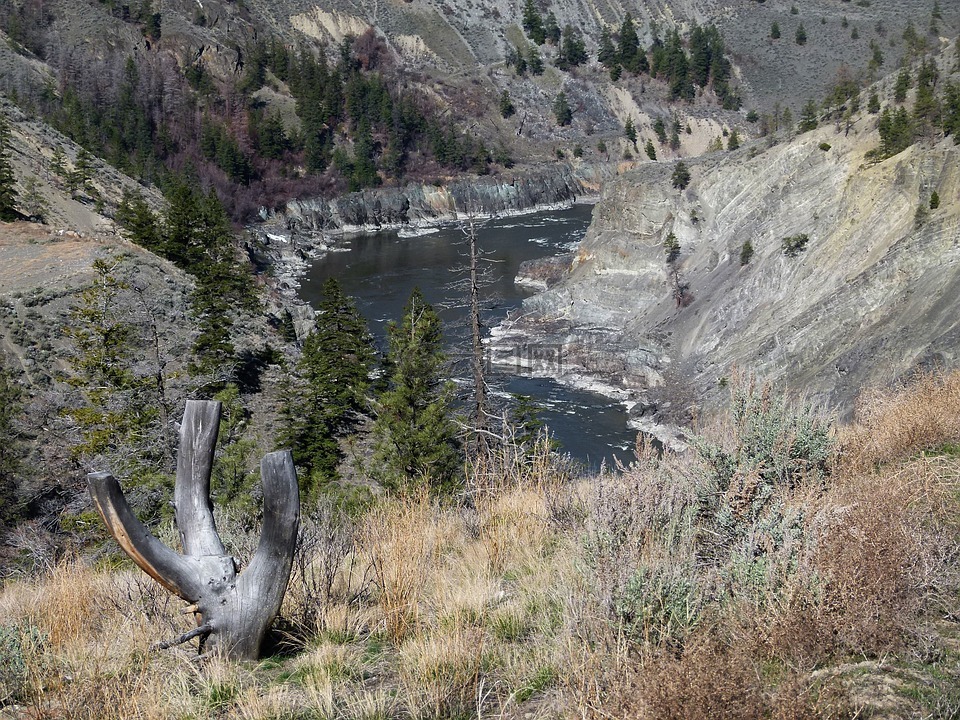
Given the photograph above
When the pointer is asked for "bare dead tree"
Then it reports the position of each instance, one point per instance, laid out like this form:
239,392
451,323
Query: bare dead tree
233,610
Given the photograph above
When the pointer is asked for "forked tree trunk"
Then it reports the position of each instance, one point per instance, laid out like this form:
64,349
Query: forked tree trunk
233,609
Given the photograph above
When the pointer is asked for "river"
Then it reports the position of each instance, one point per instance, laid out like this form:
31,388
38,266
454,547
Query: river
380,271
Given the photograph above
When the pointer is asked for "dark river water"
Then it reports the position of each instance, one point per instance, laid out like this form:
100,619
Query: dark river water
380,271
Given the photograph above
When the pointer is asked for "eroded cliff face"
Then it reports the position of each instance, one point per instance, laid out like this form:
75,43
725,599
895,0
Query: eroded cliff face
874,294
416,205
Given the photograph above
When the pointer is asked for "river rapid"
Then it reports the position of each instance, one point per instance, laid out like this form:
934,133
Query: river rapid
381,270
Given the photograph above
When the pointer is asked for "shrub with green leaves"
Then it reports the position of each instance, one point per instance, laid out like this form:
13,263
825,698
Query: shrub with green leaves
20,647
794,245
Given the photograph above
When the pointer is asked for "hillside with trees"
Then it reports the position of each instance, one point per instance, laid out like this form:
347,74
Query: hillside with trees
769,282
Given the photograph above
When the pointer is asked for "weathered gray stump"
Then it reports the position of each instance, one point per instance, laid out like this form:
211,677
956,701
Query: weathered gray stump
233,610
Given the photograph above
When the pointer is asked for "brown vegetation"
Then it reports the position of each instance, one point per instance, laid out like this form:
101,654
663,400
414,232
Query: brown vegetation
777,569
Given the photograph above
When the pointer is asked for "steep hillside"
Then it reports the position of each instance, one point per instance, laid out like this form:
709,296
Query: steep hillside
864,293
220,89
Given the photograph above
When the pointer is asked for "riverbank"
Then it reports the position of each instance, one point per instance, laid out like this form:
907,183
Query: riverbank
288,242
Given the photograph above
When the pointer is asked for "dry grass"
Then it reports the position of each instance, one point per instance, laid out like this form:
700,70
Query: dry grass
890,426
723,582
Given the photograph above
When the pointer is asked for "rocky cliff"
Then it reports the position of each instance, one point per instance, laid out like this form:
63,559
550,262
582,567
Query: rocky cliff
416,205
870,297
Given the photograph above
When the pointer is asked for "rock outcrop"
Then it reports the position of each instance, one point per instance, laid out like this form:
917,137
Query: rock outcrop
418,205
871,297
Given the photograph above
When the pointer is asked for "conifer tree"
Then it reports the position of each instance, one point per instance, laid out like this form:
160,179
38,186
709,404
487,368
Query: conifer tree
801,36
8,193
901,86
551,29
681,176
808,117
630,132
330,396
561,109
629,45
506,105
733,142
533,23
606,52
415,437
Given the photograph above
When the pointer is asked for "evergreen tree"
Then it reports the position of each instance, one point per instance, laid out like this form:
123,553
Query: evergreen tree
775,31
650,150
330,396
606,52
681,176
415,438
142,224
8,192
801,36
733,142
902,85
551,29
808,117
631,56
926,107
873,104
630,132
534,61
506,105
661,130
561,110
573,52
533,22
671,246
896,131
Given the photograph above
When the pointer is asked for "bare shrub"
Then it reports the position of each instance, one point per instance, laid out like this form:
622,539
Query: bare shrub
322,568
921,416
889,554
705,682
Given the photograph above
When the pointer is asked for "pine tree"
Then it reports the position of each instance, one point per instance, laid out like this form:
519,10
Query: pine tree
808,117
681,176
561,110
573,52
733,142
775,31
551,29
506,105
801,36
606,52
8,192
136,217
533,23
671,246
329,398
534,61
902,85
630,132
661,130
873,104
415,438
631,56
650,150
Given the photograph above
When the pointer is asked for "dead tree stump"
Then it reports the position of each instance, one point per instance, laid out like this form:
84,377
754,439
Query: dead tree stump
233,609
